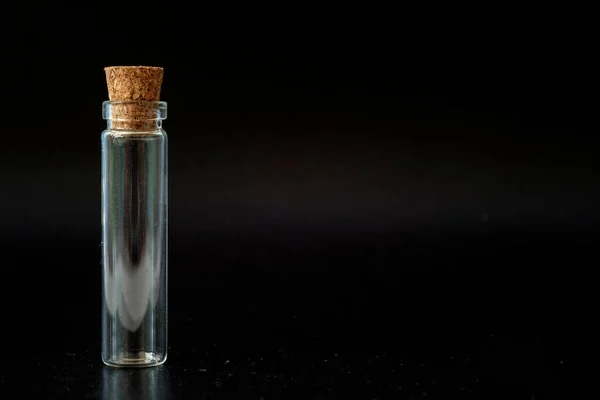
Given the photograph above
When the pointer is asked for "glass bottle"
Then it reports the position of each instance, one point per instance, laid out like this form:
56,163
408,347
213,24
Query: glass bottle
134,234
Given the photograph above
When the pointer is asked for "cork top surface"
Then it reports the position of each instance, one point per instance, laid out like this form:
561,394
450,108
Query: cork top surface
134,83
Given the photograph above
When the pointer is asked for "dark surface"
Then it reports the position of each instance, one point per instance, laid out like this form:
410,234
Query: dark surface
468,317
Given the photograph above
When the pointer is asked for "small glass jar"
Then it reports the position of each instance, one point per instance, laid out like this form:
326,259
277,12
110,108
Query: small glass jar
134,234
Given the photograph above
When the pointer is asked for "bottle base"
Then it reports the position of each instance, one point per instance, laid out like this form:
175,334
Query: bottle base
140,359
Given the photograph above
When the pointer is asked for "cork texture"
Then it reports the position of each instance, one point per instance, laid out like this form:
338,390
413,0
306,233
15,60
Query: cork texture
134,83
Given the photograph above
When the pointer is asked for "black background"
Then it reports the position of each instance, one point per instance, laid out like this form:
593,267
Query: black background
375,201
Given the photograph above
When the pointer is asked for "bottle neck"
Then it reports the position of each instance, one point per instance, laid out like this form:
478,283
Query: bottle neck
141,125
142,116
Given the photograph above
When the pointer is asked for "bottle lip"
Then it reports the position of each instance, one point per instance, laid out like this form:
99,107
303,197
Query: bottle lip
138,102
134,110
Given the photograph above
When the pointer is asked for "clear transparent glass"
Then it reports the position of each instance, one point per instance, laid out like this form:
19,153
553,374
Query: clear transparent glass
134,234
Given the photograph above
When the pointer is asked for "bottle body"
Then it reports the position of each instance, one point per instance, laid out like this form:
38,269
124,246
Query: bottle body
134,246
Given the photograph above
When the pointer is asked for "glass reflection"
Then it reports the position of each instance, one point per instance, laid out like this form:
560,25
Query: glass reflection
134,384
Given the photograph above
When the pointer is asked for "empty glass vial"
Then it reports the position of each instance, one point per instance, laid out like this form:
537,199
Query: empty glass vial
134,230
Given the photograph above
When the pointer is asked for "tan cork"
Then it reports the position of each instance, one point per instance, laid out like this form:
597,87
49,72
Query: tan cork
134,83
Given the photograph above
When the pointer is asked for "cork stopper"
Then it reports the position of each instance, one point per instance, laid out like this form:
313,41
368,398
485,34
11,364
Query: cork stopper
137,86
